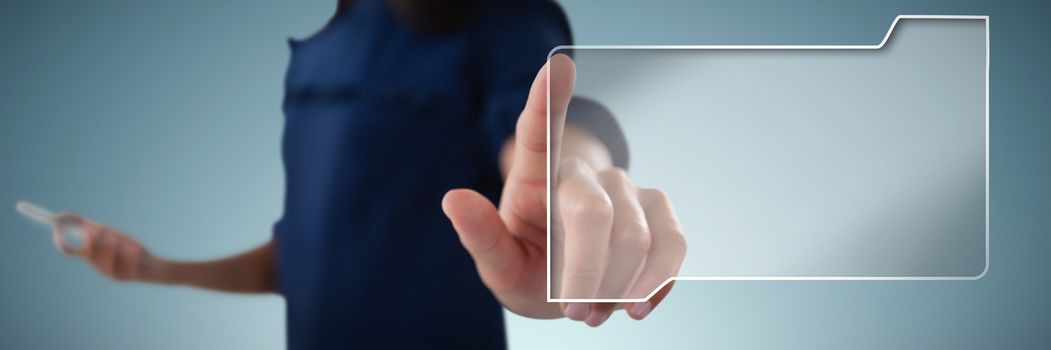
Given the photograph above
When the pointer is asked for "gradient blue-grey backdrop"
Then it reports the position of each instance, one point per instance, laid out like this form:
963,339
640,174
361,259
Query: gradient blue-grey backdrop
162,118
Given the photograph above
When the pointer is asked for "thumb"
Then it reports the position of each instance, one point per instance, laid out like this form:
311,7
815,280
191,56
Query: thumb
498,256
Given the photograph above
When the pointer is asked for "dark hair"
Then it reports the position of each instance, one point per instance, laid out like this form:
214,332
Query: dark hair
430,16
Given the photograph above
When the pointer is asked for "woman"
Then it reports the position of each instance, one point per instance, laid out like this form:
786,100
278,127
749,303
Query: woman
388,108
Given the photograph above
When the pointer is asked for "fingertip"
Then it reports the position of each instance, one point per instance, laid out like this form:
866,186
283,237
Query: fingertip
563,76
597,318
577,311
124,249
449,200
638,311
564,61
627,309
461,200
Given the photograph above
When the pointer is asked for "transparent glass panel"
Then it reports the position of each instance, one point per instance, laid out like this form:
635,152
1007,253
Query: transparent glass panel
823,162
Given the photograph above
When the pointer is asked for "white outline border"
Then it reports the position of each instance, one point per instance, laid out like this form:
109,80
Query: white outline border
779,47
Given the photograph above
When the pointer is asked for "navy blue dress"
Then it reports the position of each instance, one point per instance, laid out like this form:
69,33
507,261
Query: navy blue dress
380,121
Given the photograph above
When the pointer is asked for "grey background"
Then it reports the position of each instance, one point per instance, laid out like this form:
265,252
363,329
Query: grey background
162,118
815,162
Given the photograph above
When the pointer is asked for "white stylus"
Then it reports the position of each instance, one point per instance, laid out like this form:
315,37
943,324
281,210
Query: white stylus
72,238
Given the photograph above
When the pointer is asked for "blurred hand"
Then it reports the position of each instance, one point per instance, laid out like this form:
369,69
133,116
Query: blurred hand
609,238
111,252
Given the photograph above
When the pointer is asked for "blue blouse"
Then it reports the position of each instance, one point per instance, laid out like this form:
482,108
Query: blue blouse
380,121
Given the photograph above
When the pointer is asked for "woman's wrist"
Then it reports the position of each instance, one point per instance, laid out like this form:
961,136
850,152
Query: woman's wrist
159,271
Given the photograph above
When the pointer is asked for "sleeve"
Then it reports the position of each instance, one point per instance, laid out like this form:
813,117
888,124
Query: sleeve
278,228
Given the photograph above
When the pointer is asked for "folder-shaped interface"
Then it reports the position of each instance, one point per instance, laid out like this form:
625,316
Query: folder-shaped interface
809,162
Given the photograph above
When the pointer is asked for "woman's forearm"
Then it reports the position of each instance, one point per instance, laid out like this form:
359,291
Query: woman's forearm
122,257
249,272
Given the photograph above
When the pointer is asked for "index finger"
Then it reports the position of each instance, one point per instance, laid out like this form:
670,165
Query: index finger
550,93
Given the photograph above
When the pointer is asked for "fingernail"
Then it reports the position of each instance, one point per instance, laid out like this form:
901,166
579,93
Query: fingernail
640,310
597,319
577,311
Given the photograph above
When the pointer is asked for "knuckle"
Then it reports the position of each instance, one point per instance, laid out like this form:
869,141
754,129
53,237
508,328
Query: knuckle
100,236
86,252
572,165
589,207
107,244
571,184
585,274
616,174
134,253
534,144
617,178
92,232
653,195
676,242
529,204
634,239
